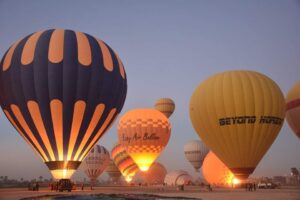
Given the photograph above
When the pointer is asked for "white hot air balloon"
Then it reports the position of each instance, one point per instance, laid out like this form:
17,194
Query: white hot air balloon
178,177
195,152
96,162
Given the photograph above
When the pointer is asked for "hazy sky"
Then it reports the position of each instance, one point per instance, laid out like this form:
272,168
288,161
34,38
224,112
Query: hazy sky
168,48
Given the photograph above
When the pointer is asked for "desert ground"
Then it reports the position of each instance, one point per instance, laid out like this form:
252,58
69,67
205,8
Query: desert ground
286,193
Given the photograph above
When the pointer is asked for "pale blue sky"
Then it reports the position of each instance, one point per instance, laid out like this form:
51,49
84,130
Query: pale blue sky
168,48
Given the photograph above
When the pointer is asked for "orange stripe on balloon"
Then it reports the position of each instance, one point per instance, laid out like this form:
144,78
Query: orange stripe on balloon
56,107
35,113
15,109
121,66
84,49
113,122
107,59
95,119
56,46
8,57
99,133
78,114
29,48
21,133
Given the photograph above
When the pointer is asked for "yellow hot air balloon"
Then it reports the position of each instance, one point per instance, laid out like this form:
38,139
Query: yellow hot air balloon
293,108
144,133
238,114
166,106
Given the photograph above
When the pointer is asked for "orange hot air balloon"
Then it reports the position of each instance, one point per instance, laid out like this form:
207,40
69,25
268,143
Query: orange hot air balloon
124,162
155,175
238,115
216,172
293,108
166,106
144,133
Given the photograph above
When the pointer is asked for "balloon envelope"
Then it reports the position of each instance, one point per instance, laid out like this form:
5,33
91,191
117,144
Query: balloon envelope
166,106
195,152
155,175
144,133
216,172
124,162
238,114
96,162
61,90
178,177
293,108
113,171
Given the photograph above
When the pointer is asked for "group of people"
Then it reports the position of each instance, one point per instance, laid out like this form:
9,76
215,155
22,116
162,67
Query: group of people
54,186
250,187
33,186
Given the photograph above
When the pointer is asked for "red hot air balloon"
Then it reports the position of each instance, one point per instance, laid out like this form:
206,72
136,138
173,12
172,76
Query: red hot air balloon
293,108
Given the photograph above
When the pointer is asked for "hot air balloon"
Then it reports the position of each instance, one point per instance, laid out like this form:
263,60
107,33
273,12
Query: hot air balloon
166,106
113,172
216,172
144,133
195,152
124,162
178,177
61,90
155,175
95,162
238,114
293,108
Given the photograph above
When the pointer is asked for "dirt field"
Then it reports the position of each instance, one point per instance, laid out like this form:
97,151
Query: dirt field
288,193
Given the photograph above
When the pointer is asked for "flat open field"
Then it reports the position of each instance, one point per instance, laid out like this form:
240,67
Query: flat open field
287,193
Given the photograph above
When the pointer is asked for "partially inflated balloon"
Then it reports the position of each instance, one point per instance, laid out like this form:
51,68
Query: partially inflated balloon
178,177
144,133
166,106
293,108
95,162
155,175
61,90
113,171
238,114
195,152
124,162
216,172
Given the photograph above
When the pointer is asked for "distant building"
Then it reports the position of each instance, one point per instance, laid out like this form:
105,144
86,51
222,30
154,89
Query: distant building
292,180
279,180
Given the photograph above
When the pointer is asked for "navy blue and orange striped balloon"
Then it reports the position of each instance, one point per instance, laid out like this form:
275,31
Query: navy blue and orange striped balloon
62,90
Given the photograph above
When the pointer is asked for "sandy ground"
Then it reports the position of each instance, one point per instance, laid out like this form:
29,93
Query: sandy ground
288,193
